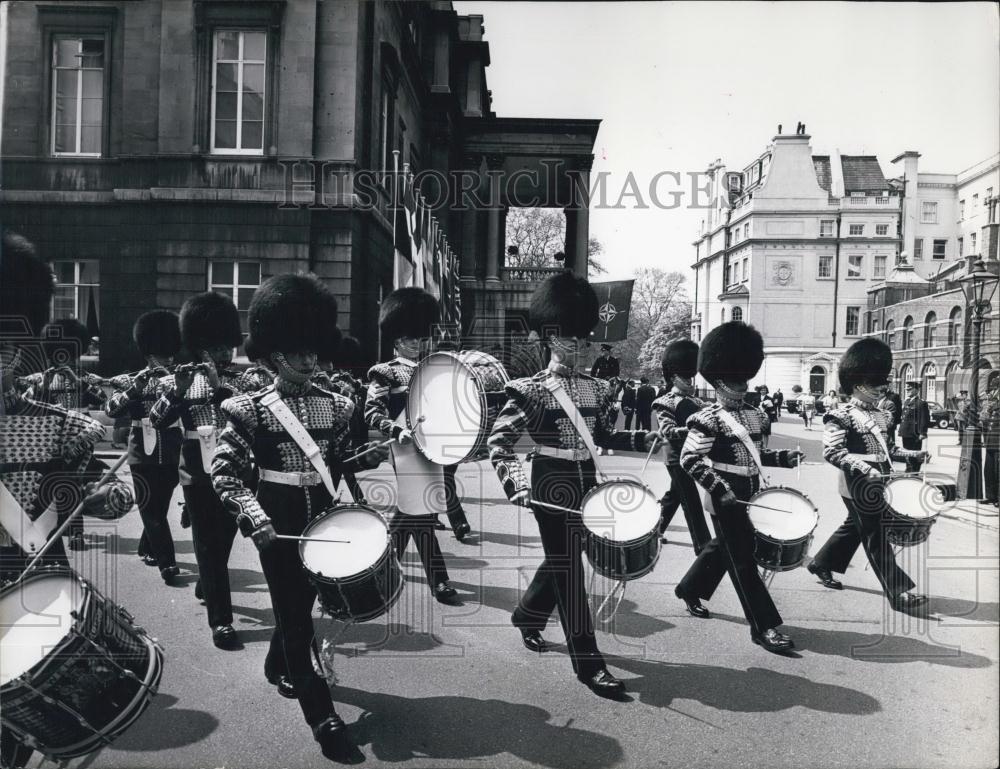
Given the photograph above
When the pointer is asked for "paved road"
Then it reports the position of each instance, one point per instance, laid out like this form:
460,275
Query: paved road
434,686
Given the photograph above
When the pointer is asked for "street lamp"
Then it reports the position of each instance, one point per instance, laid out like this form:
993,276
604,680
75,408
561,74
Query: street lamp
978,285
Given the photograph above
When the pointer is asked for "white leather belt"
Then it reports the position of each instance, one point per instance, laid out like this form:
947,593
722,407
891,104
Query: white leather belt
866,457
310,478
572,455
206,436
734,469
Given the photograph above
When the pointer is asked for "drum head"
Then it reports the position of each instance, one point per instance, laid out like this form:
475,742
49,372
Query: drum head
620,511
912,498
445,393
368,535
36,618
798,522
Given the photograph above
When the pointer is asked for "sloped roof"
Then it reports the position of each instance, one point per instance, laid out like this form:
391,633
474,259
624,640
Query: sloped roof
822,165
862,173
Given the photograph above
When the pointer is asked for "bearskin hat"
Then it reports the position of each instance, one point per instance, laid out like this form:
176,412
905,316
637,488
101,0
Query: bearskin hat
410,312
210,320
734,350
565,305
251,350
65,340
867,360
292,313
350,356
26,287
680,358
157,332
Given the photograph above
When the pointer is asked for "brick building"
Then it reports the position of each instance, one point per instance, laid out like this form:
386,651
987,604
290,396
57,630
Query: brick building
157,148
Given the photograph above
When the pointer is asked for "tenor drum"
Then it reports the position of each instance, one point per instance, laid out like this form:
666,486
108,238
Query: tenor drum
459,395
784,521
75,672
359,581
622,520
913,507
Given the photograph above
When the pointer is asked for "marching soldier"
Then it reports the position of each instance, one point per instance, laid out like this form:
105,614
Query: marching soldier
153,455
680,364
193,395
855,441
408,317
606,366
721,453
287,326
564,311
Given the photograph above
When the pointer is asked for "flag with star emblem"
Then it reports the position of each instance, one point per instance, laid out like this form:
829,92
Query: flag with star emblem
614,302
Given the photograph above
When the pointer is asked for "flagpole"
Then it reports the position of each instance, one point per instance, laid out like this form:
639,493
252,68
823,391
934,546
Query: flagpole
607,324
395,255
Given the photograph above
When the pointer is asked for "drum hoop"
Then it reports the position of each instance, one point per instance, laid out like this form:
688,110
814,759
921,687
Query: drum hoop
903,517
785,542
801,494
616,542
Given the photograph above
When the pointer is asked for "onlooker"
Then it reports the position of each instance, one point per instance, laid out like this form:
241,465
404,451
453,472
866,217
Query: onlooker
990,425
767,404
628,403
644,398
891,407
807,408
779,399
961,413
830,401
914,421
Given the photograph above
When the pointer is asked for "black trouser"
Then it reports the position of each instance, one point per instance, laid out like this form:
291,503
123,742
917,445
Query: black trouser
421,528
991,473
863,528
644,419
629,413
213,529
559,582
913,465
453,500
683,492
891,429
13,753
154,486
732,550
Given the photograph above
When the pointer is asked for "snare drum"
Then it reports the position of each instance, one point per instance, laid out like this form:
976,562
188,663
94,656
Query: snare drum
913,506
623,537
75,672
459,395
782,539
358,581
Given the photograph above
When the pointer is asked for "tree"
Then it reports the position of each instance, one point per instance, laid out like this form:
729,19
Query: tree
538,234
660,312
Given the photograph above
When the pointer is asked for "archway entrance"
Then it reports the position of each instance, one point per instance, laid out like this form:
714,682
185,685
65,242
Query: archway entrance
817,379
930,388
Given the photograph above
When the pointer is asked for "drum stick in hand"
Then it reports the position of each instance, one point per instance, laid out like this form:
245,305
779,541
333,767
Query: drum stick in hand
764,507
649,456
313,539
553,507
798,465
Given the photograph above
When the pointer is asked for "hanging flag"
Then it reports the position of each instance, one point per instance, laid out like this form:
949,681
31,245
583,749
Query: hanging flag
615,301
402,274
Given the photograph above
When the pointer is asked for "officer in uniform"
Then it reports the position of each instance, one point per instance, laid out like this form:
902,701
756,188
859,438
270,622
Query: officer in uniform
914,421
606,366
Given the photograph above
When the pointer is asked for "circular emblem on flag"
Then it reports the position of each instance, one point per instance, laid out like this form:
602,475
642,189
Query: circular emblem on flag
607,313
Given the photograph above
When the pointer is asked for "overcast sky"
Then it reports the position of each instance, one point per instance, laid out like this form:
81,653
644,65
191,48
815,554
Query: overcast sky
679,84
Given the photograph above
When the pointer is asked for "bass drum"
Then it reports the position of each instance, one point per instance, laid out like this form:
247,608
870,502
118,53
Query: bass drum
75,671
355,582
458,396
913,507
784,521
623,529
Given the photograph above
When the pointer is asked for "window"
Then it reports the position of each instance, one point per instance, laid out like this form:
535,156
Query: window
745,263
825,266
975,201
972,243
855,229
940,246
853,317
826,228
955,326
918,248
989,193
890,334
238,92
77,293
905,375
929,212
723,316
77,96
386,119
961,210
738,314
881,229
238,280
855,266
907,340
880,260
961,246
746,230
930,327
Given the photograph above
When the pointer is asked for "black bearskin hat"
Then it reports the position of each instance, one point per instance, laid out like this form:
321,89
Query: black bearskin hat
350,356
291,313
26,287
157,332
65,340
410,312
680,358
734,350
565,305
252,353
867,360
210,320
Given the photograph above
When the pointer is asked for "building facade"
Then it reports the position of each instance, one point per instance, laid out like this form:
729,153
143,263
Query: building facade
157,148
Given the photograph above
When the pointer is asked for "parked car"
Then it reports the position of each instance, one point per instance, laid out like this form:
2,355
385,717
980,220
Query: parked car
940,416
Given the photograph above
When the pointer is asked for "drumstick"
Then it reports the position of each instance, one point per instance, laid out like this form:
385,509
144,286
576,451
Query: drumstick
798,465
313,539
649,456
554,507
369,450
765,507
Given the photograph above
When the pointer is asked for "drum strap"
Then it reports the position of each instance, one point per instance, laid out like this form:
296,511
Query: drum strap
741,434
28,534
298,433
555,386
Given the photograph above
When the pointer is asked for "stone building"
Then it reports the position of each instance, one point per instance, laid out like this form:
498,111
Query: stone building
157,148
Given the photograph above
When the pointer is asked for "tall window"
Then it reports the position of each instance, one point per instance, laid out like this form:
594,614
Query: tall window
879,268
940,248
907,340
881,229
905,375
738,314
929,212
918,248
238,280
745,263
826,228
930,327
890,335
955,326
77,96
746,230
77,293
853,318
855,266
972,242
825,266
238,97
975,201
855,229
961,210
961,246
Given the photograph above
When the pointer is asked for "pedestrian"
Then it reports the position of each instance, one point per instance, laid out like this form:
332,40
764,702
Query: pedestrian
891,406
644,397
914,421
606,366
990,425
807,408
628,403
830,401
779,400
767,405
961,413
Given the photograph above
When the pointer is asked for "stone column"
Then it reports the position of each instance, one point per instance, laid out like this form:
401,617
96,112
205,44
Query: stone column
494,237
581,240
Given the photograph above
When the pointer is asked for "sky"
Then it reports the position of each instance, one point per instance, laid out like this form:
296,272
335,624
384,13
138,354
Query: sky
680,84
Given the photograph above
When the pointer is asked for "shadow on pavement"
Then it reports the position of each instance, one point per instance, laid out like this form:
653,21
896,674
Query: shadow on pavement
377,637
960,608
475,729
163,727
511,540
